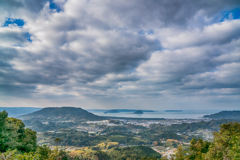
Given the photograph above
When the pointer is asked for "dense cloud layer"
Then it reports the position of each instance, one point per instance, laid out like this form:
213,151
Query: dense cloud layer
120,53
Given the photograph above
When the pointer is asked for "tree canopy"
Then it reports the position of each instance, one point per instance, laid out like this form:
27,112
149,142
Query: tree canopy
13,135
225,145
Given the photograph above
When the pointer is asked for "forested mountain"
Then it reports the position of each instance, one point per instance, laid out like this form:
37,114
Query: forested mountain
62,113
225,115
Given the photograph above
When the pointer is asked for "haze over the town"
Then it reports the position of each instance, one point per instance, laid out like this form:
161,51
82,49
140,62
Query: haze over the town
120,54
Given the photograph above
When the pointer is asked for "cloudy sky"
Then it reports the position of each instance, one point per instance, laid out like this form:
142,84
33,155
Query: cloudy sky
152,54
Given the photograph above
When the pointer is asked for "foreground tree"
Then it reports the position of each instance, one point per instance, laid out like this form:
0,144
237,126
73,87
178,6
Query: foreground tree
179,155
198,148
57,141
226,144
16,155
13,135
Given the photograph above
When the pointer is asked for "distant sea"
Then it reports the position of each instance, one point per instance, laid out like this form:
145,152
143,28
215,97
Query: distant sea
18,111
185,114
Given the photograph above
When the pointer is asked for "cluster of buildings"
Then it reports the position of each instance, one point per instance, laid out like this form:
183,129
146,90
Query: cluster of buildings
167,122
103,122
206,134
166,152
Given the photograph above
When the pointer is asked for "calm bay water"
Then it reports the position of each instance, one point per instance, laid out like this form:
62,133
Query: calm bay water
189,114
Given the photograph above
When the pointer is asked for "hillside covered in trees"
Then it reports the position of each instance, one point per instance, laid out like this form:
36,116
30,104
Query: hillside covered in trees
63,113
225,115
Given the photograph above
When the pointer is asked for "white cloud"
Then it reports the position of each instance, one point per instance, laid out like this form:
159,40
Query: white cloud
218,33
119,50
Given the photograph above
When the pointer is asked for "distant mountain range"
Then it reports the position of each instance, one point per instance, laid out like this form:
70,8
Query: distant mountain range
62,113
117,110
112,111
224,115
173,111
18,111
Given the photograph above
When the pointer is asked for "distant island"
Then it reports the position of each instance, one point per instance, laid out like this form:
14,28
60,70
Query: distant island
112,111
224,115
117,110
138,112
173,111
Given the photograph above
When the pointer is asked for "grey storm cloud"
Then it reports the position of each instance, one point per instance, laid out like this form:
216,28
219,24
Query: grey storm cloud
119,49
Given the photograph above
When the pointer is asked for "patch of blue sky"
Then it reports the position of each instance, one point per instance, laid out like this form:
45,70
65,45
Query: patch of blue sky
54,6
28,37
233,14
213,70
133,70
18,22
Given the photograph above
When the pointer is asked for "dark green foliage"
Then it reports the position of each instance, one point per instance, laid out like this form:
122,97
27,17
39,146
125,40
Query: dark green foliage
100,155
44,151
3,132
135,153
149,158
115,129
29,141
226,145
169,135
148,151
13,135
118,138
63,154
125,139
198,148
